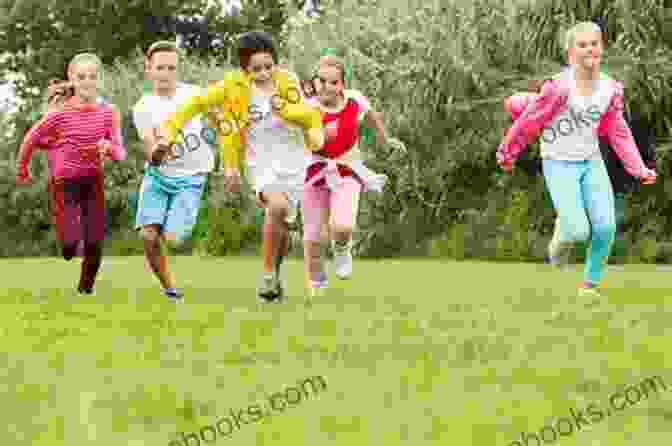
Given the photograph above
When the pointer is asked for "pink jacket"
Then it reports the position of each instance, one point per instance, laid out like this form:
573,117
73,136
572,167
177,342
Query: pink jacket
532,112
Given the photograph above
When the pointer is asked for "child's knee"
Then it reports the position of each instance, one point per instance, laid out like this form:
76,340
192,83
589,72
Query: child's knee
581,234
277,208
605,231
312,233
150,234
574,231
342,231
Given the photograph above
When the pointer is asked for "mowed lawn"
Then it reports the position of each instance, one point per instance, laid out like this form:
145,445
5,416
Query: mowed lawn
413,352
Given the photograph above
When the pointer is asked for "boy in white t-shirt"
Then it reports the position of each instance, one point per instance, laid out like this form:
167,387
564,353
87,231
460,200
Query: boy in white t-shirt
172,187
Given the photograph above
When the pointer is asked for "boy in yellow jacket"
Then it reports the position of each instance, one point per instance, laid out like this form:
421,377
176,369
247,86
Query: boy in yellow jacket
264,123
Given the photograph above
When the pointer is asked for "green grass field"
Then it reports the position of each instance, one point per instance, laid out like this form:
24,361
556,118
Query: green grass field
413,352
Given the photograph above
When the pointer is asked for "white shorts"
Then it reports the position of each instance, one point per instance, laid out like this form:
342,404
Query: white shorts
273,178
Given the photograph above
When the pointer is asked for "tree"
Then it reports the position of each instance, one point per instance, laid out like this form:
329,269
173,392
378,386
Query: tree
440,70
213,34
39,37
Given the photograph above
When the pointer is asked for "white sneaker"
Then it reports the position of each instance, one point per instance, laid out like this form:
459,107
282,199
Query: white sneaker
558,252
342,261
591,297
317,288
589,293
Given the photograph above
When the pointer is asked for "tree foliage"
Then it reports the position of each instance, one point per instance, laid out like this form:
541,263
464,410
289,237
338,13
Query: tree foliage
39,37
440,71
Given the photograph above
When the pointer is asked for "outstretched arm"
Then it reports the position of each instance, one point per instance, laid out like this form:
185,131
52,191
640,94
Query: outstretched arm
645,137
117,150
517,103
616,130
38,134
530,123
374,119
197,104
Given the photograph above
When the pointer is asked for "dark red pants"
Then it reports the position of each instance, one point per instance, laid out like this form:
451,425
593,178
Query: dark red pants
78,209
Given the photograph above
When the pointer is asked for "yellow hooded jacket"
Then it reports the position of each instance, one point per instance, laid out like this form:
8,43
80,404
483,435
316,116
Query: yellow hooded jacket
227,105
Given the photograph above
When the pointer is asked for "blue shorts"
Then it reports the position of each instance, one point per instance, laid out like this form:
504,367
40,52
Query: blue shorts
170,202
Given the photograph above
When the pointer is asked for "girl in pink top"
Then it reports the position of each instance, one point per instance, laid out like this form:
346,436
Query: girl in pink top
572,111
79,136
336,174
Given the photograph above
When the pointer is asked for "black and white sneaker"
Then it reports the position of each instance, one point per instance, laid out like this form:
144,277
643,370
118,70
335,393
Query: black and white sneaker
270,289
174,295
85,291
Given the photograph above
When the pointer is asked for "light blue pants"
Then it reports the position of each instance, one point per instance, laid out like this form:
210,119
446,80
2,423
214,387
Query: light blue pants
584,201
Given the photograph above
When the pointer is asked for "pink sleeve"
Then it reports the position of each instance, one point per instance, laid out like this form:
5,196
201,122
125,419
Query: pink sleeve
118,149
614,128
38,134
517,103
530,123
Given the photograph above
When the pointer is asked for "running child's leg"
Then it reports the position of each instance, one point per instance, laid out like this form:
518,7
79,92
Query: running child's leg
294,199
275,226
315,214
93,223
344,205
598,199
274,231
182,213
563,179
181,216
65,202
153,203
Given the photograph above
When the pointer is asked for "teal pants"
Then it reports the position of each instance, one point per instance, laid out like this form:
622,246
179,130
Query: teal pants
584,201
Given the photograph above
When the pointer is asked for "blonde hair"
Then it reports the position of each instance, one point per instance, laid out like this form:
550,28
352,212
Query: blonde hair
332,62
84,57
570,37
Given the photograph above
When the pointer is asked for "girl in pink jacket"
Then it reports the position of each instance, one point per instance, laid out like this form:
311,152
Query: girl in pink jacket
572,111
79,136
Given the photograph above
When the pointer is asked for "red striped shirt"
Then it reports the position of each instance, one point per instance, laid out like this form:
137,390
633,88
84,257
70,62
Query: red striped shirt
73,134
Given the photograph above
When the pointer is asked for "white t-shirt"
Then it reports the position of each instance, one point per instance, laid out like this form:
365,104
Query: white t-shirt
276,151
572,134
195,147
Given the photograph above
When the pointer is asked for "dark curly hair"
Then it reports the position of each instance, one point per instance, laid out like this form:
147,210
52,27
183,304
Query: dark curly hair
254,42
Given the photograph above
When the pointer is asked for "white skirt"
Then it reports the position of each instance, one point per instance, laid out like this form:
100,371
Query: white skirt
278,177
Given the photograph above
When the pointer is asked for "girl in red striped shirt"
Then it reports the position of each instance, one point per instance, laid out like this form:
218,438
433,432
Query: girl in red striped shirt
79,136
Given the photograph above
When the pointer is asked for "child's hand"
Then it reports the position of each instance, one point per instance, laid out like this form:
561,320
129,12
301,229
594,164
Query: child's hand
104,149
232,179
277,103
23,177
506,167
650,177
